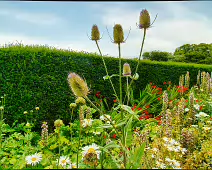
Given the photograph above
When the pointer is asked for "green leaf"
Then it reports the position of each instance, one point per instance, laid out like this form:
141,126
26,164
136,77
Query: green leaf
110,145
127,108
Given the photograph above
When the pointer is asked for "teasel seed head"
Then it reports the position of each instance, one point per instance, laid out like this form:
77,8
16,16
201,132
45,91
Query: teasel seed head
126,70
58,123
95,34
78,85
80,101
118,34
144,19
73,105
81,115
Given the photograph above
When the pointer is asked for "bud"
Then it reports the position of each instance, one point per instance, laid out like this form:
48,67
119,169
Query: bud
25,112
73,105
126,70
78,85
80,101
95,35
144,19
118,34
58,123
37,108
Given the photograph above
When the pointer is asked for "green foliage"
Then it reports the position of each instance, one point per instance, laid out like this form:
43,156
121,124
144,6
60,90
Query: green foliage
36,76
156,56
195,53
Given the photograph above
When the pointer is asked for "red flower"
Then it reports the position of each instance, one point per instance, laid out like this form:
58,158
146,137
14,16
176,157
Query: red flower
186,101
148,106
114,100
159,122
168,88
158,118
197,101
160,89
169,82
114,136
201,107
182,89
129,149
159,98
141,117
147,116
160,92
134,107
154,87
164,82
98,94
139,108
150,83
146,112
104,137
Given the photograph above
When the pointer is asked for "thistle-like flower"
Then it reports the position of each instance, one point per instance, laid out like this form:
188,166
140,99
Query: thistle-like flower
126,70
44,133
118,34
95,35
144,20
80,101
58,123
78,85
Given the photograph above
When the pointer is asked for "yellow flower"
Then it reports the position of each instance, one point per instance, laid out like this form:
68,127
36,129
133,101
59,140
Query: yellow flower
37,108
25,112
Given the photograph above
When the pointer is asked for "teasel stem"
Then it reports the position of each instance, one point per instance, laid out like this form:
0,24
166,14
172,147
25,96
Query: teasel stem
78,145
101,114
120,101
58,147
128,96
106,69
142,45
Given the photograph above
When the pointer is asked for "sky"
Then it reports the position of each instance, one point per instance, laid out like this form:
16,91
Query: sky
65,25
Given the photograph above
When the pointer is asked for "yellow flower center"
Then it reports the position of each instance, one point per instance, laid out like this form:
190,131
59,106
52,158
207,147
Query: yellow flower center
34,159
63,161
91,150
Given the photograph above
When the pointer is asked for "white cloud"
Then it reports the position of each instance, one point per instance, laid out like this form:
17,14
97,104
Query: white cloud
37,18
180,27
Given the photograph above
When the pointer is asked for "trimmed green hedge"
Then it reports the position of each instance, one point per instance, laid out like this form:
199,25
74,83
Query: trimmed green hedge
37,76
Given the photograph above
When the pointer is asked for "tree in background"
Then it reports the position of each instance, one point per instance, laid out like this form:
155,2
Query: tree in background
156,56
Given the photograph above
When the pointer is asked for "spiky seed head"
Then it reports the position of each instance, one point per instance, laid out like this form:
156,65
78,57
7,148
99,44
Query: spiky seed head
144,19
118,34
126,70
95,35
78,85
73,105
58,123
80,101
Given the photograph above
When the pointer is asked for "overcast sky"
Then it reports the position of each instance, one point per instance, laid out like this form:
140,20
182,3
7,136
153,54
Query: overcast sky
65,24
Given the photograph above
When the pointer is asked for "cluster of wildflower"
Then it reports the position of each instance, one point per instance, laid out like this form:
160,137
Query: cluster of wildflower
65,162
106,118
160,165
91,154
33,159
44,133
173,145
87,123
201,114
172,162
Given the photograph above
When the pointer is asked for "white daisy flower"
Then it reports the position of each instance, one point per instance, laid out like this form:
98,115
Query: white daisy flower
106,118
155,149
63,161
165,139
195,126
175,163
33,159
202,114
72,166
91,149
87,122
177,149
183,150
206,128
196,106
186,109
168,160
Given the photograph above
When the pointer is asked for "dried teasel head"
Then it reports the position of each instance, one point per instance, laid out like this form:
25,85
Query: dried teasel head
126,70
78,85
95,34
118,34
144,19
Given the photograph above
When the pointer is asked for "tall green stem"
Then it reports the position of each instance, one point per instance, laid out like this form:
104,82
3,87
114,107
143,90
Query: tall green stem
120,101
106,70
78,145
142,45
59,147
